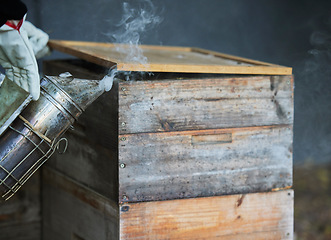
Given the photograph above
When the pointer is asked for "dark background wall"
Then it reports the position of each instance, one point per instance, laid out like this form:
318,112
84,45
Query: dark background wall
294,33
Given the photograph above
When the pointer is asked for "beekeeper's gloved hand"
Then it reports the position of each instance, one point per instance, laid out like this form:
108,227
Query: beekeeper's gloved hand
17,57
38,40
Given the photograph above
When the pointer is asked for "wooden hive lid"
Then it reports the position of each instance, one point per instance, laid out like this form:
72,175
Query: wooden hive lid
167,59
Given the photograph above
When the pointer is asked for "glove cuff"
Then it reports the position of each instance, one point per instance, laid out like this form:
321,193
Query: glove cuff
14,24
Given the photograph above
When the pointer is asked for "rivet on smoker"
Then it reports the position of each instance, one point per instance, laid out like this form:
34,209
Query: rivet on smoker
123,89
122,165
123,139
123,124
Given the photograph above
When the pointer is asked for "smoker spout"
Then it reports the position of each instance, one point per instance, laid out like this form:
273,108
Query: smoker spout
36,133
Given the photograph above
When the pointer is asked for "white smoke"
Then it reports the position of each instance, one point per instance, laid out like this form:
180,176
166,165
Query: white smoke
107,82
133,24
136,20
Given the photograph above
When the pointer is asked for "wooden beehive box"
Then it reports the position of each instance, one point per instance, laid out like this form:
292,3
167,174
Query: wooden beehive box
200,149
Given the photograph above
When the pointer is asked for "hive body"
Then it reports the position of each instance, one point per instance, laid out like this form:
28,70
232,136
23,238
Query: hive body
175,155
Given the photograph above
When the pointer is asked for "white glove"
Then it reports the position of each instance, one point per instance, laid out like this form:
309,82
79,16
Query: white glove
38,40
18,59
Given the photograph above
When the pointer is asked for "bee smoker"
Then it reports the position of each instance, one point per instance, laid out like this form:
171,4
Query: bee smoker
35,134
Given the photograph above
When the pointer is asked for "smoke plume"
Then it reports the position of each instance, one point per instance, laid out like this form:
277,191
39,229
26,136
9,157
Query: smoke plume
133,24
137,19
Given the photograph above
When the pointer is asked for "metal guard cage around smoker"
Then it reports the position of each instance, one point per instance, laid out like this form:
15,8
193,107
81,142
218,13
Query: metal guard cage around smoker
36,133
44,146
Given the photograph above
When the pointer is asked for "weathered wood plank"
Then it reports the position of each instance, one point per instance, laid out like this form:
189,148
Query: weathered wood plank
197,68
20,215
235,58
178,105
26,231
89,164
166,59
250,216
160,166
72,211
77,67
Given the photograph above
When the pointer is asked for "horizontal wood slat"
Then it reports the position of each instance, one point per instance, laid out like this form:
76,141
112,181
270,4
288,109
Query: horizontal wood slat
179,105
71,210
160,166
165,59
251,216
20,215
22,231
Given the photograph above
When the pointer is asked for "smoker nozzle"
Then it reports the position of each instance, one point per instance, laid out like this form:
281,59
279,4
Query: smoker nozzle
36,133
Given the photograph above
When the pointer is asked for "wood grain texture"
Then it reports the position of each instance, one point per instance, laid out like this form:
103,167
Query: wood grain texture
179,105
89,164
77,67
161,166
26,231
20,217
166,59
251,216
169,137
73,211
235,58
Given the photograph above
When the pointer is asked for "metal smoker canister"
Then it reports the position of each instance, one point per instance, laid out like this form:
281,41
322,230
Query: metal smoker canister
36,133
